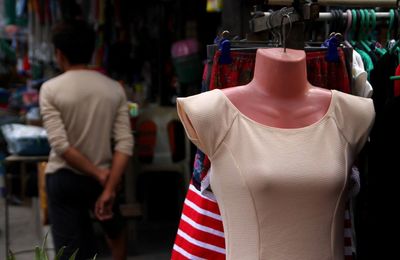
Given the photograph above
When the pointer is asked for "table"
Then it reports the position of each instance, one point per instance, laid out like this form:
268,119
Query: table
23,161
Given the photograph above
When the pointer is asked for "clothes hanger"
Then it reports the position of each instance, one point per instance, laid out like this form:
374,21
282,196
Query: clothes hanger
353,27
333,26
390,25
359,44
394,47
279,40
367,24
353,20
395,24
370,36
347,30
343,22
364,24
247,45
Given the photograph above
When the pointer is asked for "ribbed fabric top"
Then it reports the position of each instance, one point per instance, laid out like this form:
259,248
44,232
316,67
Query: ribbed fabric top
281,191
86,110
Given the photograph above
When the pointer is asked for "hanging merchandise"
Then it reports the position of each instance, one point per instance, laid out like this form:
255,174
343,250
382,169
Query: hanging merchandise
186,60
200,231
7,63
214,6
2,176
10,12
21,12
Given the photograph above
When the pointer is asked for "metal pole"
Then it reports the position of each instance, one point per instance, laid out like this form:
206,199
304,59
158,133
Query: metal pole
326,16
6,220
354,3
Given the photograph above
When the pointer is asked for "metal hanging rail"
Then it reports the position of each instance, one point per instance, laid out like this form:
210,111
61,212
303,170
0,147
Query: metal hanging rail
274,19
352,3
309,12
326,16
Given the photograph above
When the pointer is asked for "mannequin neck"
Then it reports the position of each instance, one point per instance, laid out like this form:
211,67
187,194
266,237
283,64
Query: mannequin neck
281,74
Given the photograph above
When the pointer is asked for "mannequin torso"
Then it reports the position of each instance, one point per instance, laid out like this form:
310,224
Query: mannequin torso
281,186
279,94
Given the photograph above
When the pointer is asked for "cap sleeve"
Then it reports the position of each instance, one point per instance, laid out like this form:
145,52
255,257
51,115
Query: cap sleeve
356,118
206,118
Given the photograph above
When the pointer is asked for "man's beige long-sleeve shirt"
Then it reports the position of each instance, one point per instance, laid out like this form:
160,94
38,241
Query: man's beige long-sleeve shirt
88,111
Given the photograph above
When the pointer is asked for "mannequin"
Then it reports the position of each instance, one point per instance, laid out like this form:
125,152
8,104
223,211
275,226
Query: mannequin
280,93
280,152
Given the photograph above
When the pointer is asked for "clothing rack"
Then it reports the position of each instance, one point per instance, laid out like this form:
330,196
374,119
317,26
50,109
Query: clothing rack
306,10
353,3
262,21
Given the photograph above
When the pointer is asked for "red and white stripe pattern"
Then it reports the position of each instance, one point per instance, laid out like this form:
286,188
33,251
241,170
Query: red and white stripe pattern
201,236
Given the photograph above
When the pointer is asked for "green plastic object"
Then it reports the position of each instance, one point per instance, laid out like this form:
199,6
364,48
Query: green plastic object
188,68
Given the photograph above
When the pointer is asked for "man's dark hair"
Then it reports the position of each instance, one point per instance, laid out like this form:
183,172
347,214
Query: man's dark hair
76,40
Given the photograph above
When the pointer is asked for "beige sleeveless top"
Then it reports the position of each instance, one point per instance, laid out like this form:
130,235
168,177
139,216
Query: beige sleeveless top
281,191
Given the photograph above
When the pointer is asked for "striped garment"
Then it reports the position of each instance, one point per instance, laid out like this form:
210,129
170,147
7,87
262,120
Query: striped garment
200,234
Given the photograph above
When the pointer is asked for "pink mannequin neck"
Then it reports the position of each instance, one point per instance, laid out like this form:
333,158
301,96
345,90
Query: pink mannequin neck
279,94
281,74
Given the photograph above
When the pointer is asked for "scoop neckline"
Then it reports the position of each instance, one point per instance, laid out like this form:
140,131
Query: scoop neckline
310,126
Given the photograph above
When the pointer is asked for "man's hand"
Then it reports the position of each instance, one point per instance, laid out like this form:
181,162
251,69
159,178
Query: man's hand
102,176
78,161
104,205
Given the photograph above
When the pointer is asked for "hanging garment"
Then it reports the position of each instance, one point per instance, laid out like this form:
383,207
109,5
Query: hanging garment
378,215
189,242
396,87
380,218
329,75
380,80
279,200
361,86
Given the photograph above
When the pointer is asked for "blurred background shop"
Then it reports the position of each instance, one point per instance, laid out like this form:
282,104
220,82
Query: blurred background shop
156,50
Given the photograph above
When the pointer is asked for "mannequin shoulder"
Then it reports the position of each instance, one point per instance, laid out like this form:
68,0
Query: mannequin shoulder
353,111
206,98
211,103
349,102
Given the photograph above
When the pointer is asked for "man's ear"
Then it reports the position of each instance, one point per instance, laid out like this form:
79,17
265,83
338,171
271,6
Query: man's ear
58,54
60,58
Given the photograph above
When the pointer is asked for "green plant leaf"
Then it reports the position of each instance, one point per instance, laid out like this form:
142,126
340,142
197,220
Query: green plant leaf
37,253
10,255
44,241
44,255
72,257
59,253
94,257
